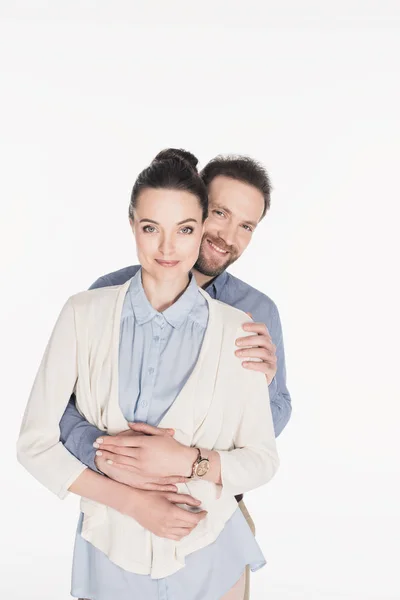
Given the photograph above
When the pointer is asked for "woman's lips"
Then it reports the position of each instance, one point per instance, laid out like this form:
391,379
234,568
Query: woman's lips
167,263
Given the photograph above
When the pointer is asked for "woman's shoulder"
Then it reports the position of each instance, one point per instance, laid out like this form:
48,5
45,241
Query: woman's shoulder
98,297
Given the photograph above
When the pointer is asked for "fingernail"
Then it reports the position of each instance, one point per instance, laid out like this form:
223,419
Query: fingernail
100,440
99,453
109,461
96,445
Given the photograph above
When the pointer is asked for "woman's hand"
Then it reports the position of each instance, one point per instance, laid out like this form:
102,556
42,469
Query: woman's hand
153,454
130,477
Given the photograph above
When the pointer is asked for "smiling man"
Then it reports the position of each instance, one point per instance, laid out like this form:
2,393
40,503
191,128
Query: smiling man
239,197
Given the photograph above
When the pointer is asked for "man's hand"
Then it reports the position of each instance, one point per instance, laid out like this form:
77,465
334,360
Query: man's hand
157,512
152,455
123,474
261,347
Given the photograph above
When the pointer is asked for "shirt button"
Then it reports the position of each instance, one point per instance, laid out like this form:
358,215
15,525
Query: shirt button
151,370
156,338
144,403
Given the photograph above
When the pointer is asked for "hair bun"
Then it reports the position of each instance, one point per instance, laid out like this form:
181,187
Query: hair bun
178,153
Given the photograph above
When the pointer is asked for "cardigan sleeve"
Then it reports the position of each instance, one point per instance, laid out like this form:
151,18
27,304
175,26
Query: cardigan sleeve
39,448
254,459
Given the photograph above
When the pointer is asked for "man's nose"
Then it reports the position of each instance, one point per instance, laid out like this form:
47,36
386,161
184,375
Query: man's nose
227,234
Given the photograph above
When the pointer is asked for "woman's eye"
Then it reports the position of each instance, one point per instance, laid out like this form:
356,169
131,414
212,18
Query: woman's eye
149,229
187,230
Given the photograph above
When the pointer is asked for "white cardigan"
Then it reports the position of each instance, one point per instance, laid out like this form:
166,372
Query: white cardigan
222,407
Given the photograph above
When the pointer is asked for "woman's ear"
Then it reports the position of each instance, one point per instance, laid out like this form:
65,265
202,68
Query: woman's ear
131,224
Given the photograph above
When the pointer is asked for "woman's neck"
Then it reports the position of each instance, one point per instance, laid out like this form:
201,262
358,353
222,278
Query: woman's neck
162,294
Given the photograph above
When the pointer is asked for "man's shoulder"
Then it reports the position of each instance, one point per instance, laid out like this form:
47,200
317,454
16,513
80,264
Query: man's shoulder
116,277
244,293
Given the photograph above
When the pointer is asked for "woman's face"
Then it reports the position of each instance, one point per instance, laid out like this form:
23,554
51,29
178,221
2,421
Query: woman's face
168,229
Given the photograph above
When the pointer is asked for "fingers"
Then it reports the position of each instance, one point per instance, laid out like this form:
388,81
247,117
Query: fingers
262,367
115,441
179,532
112,458
191,518
261,353
183,499
171,479
157,487
262,341
259,328
149,429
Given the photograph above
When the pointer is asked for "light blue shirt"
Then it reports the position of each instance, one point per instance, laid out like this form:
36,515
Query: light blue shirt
157,353
78,435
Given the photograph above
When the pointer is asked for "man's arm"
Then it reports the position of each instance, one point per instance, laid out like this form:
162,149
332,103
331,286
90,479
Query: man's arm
78,436
281,405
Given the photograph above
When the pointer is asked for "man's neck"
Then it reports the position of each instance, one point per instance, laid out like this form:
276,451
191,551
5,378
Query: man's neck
201,279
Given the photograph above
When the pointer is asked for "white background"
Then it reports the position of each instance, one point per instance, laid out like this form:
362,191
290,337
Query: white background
90,92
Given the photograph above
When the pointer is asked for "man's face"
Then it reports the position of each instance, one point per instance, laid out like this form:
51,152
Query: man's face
235,209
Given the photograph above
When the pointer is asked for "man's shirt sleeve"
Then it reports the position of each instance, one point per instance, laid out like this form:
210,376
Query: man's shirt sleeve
281,406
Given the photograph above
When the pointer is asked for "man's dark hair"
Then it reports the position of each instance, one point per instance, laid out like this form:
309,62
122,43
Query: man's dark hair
241,168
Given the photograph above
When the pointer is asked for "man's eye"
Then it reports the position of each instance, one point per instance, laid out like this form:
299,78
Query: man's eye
149,229
187,230
219,213
248,228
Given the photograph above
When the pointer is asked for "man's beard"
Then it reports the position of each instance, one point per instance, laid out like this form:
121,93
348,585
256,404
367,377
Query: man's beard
206,266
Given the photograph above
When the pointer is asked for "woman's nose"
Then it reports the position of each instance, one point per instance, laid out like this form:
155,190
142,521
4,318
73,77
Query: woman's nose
167,246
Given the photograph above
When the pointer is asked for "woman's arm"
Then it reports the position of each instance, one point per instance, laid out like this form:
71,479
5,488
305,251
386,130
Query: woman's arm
254,460
39,448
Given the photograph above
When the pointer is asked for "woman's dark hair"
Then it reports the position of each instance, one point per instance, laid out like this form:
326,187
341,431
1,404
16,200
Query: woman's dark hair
171,169
241,168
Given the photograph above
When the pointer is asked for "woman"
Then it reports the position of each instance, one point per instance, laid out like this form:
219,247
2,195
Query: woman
217,410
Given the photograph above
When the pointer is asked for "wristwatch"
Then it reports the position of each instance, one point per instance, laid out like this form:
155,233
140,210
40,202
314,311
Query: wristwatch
200,466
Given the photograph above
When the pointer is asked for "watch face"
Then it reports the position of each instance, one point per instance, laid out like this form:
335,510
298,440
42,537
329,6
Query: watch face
202,468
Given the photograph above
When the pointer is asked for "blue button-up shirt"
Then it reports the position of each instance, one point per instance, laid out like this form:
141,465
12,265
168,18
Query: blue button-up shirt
157,353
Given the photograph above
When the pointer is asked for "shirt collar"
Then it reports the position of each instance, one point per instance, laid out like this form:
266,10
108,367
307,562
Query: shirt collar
217,284
175,315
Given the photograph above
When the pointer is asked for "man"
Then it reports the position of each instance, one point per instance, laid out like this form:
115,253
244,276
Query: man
239,197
